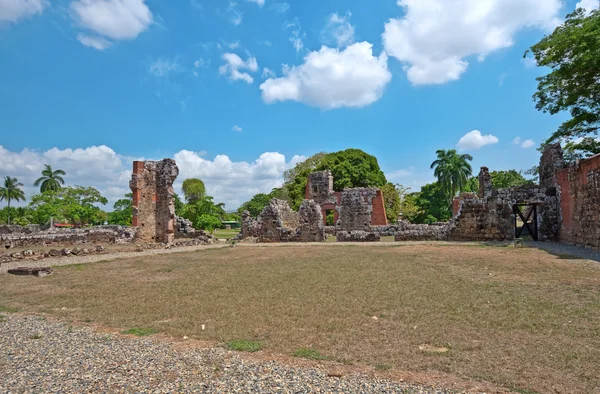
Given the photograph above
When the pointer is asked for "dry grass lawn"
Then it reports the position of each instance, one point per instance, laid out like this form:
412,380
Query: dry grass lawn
520,319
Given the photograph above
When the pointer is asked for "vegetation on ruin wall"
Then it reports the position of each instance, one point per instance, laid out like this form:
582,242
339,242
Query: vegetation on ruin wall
572,53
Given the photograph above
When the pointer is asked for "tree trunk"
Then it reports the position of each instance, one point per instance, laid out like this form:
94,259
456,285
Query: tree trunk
8,211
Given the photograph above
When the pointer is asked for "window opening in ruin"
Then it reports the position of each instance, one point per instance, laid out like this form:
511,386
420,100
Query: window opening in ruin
330,217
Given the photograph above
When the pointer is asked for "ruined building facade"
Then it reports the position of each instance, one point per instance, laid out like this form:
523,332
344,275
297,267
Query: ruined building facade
153,202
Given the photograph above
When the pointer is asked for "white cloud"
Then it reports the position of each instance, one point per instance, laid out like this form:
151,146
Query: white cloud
475,140
523,144
297,34
268,73
98,43
281,7
101,167
259,2
163,67
233,65
527,144
530,62
588,5
330,78
111,19
237,16
339,30
435,37
237,129
14,10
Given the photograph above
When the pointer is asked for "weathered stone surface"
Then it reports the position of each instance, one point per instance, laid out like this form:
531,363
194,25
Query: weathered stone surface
54,252
551,162
356,209
105,234
357,236
26,271
485,183
311,227
153,202
184,228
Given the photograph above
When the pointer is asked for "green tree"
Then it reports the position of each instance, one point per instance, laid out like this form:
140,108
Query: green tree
572,53
207,222
256,204
11,191
581,149
179,205
193,190
77,205
122,213
431,205
452,171
392,202
50,180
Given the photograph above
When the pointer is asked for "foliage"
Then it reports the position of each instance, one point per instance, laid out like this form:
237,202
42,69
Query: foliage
122,213
431,205
207,222
408,206
392,202
50,180
581,149
305,167
76,205
193,190
500,180
452,171
11,191
256,204
179,205
572,52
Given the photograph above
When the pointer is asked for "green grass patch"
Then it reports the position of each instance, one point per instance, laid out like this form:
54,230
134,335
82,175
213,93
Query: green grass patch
36,336
225,234
140,331
244,346
310,354
382,367
6,309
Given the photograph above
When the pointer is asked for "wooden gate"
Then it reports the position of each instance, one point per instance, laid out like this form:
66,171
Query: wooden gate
527,213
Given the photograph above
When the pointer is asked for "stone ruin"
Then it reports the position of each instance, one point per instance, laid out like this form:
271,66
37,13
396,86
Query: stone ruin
279,223
153,201
36,235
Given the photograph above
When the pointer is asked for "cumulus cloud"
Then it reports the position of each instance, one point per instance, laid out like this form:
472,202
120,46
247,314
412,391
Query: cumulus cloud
588,5
435,37
475,140
111,19
330,78
523,144
338,30
101,167
233,65
237,129
15,10
98,43
268,73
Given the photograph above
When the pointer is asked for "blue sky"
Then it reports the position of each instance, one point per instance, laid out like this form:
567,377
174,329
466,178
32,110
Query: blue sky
239,91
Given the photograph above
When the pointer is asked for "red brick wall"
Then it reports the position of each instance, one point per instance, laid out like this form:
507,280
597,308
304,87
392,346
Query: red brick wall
580,203
378,217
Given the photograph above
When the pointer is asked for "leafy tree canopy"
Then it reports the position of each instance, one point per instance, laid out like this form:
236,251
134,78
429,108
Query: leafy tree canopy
77,205
452,171
428,206
11,191
122,213
193,190
572,53
50,180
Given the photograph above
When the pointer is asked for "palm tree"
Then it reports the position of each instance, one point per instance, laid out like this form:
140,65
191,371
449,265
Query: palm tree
50,180
11,191
452,171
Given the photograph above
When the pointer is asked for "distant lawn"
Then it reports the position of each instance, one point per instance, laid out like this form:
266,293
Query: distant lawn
225,234
520,319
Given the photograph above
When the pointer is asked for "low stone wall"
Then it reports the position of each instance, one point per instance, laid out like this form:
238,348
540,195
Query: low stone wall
99,234
421,232
357,236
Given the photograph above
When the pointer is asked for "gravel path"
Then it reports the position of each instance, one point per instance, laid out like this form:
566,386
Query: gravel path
40,356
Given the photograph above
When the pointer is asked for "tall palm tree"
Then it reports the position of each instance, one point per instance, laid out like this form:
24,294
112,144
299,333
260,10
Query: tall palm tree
11,191
452,171
50,180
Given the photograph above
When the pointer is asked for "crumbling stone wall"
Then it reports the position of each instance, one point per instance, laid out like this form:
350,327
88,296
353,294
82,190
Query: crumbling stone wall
579,187
356,209
319,188
279,223
551,162
153,203
98,234
485,183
